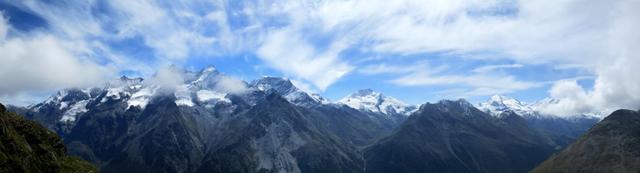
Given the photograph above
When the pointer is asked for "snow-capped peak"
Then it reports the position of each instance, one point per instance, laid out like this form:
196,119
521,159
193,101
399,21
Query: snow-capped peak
209,69
285,88
497,104
369,100
206,78
280,85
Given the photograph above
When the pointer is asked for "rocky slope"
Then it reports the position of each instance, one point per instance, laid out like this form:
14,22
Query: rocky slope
610,146
26,146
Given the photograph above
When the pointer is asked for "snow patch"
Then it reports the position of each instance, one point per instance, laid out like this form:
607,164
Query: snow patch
183,96
369,100
63,105
184,102
206,95
75,109
497,104
142,97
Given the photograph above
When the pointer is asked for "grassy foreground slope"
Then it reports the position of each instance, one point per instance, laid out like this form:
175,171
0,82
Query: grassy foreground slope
26,146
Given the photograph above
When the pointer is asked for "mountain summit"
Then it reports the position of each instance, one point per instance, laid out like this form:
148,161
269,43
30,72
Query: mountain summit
285,88
497,104
370,100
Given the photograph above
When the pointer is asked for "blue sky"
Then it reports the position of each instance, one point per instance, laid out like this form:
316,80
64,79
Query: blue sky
416,51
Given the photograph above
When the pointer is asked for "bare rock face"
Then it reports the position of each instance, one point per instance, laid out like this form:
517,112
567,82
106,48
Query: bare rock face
613,145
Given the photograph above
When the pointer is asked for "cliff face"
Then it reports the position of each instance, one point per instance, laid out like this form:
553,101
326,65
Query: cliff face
26,146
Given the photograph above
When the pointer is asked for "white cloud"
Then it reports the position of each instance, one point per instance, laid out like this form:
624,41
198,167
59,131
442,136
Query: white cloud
424,74
44,62
286,51
570,99
303,86
482,84
166,33
598,36
616,85
311,40
231,85
490,68
4,28
401,69
168,79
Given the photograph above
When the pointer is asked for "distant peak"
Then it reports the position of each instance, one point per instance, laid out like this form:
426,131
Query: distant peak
273,78
281,85
504,100
365,92
370,100
127,79
461,102
497,104
272,81
209,68
498,97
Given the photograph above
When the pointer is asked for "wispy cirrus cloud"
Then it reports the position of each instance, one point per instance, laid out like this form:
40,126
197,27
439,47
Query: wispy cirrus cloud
286,52
423,74
489,68
578,33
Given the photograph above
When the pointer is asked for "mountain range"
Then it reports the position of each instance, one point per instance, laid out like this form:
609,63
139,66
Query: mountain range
210,122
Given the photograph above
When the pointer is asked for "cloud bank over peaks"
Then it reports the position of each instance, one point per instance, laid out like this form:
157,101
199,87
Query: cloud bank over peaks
616,85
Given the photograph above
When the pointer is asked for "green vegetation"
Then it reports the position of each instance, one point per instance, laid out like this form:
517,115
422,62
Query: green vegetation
26,146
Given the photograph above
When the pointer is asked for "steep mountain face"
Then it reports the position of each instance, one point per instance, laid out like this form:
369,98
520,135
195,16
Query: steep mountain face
158,138
26,146
286,89
559,130
354,126
281,137
454,136
610,146
377,103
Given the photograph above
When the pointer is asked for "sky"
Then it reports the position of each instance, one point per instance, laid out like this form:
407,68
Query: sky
582,53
